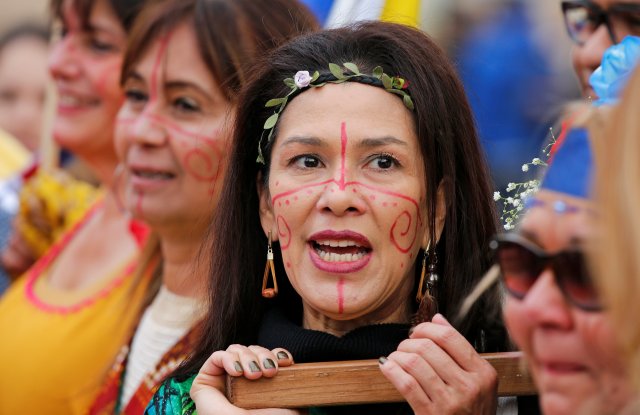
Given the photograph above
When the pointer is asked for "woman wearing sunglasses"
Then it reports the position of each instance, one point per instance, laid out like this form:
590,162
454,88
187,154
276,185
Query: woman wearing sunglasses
552,311
594,25
616,259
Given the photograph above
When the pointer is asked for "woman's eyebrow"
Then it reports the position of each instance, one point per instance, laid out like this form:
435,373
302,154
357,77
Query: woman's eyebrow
305,140
379,141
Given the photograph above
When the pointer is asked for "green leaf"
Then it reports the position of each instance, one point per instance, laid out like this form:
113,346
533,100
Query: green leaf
274,102
271,121
408,102
352,67
397,92
386,81
377,72
336,71
315,76
290,83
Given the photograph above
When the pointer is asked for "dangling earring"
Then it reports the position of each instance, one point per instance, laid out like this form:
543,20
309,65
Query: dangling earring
426,295
269,292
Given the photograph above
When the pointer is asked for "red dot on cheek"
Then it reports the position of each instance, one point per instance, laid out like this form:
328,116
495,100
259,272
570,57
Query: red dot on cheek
279,204
287,202
372,197
395,204
354,190
277,184
309,192
402,265
384,204
288,264
295,198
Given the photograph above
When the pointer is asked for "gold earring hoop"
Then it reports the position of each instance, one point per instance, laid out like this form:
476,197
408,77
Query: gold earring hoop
269,292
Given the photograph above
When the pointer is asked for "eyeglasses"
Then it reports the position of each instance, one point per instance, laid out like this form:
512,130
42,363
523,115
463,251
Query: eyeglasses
583,18
521,262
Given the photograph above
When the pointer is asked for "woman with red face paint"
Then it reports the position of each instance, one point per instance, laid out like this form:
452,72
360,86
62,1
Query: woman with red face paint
362,185
63,321
184,66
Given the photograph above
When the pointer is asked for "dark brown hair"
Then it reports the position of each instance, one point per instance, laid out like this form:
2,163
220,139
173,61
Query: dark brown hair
451,153
126,10
231,33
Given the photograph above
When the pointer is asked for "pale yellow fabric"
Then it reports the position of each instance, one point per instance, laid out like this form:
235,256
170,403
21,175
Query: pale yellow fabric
406,12
54,362
13,155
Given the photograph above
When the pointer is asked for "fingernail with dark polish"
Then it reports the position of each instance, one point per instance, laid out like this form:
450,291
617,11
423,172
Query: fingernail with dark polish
253,365
282,356
382,360
238,367
269,364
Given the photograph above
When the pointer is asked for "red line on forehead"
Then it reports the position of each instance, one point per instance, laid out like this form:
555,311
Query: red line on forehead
343,153
164,44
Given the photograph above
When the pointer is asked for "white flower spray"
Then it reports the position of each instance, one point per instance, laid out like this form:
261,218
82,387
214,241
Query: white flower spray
517,193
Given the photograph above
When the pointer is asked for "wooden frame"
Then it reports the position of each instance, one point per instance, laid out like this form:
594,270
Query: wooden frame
352,382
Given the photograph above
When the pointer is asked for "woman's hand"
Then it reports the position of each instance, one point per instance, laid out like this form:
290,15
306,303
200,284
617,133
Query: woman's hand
439,372
253,362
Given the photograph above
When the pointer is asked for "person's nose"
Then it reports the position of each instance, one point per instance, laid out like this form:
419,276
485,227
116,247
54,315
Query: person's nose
147,129
545,305
339,198
64,59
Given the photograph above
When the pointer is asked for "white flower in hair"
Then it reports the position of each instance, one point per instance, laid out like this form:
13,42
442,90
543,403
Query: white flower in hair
302,79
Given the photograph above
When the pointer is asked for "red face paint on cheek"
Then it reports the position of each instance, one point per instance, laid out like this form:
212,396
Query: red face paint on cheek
284,232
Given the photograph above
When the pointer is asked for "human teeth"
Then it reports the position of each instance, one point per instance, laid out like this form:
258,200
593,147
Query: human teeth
335,244
69,100
154,175
333,257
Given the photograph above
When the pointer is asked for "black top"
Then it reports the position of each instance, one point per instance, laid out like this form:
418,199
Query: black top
368,342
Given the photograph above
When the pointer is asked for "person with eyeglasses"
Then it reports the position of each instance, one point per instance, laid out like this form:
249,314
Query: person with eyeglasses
553,311
595,25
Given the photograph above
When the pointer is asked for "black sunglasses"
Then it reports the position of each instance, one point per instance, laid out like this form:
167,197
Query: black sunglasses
582,18
521,262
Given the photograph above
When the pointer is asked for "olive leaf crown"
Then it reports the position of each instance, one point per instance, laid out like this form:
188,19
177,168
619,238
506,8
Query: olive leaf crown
338,74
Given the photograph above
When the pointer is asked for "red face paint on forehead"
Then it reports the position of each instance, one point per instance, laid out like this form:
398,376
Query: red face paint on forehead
155,83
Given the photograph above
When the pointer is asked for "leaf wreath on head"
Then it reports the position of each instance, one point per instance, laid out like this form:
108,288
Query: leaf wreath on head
348,72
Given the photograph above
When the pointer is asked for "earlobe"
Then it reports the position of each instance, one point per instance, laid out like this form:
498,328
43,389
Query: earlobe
441,210
441,215
267,218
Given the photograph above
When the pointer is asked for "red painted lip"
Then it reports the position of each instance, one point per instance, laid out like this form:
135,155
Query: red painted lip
562,368
347,235
339,267
145,184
